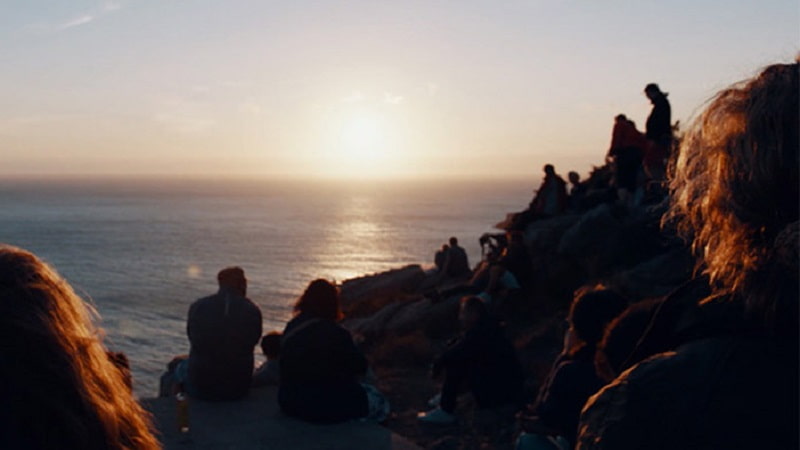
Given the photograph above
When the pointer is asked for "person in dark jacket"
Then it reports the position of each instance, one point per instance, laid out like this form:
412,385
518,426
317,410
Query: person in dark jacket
573,378
483,360
223,329
320,363
456,264
658,130
732,379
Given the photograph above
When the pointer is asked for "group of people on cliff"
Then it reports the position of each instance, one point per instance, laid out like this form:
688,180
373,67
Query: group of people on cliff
637,160
715,363
712,365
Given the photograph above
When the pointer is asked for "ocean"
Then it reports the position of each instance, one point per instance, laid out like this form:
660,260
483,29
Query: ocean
142,251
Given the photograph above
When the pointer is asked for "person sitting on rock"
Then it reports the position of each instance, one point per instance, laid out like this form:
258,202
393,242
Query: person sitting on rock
223,329
440,258
483,360
59,387
551,197
457,263
321,365
577,192
573,378
269,373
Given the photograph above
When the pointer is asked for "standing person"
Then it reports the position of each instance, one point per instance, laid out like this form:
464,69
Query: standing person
658,131
627,146
483,360
457,263
321,366
732,380
223,329
58,387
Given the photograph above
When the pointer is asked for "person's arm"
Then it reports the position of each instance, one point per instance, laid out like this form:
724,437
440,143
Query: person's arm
350,355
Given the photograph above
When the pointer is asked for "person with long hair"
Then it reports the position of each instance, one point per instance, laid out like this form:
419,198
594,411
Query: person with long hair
58,387
732,379
320,365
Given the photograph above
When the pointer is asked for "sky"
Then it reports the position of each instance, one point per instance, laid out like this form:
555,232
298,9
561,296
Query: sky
358,89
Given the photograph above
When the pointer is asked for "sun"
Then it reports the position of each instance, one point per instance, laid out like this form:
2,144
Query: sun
362,138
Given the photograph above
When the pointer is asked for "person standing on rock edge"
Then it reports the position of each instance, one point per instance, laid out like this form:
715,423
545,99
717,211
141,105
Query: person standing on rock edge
658,131
223,329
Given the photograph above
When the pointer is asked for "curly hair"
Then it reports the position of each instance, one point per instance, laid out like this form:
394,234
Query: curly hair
735,189
60,389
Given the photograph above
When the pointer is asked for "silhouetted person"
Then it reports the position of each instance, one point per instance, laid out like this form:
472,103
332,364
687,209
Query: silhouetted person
577,191
223,329
440,258
627,146
658,131
732,382
551,197
269,373
58,387
320,364
573,378
457,264
514,261
483,360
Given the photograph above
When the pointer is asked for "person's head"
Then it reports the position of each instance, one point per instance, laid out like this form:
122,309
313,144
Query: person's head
61,385
549,169
445,247
735,192
574,178
233,278
590,312
621,337
453,242
320,299
271,345
620,118
652,91
472,310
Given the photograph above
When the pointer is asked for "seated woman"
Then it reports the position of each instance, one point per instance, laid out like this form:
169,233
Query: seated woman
58,386
320,365
573,378
483,361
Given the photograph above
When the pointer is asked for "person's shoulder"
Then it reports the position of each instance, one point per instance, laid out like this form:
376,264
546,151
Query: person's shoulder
205,300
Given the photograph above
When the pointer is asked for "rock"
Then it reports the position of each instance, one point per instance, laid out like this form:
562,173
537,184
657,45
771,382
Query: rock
366,295
592,229
655,277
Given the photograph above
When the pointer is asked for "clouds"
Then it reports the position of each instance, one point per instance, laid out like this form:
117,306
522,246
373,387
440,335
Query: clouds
392,99
79,20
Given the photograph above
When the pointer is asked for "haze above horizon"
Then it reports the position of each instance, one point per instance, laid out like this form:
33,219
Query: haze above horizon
357,89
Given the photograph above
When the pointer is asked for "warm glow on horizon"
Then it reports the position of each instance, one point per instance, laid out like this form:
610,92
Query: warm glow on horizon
357,89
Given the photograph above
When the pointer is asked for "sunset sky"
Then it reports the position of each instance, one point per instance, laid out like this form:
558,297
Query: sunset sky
358,88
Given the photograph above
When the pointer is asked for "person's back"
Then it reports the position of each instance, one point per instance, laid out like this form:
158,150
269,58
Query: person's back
457,264
320,364
716,391
223,329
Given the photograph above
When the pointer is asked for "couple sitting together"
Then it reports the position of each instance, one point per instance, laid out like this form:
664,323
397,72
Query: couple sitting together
319,366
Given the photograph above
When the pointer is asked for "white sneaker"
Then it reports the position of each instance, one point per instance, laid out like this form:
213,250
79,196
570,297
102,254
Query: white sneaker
436,416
